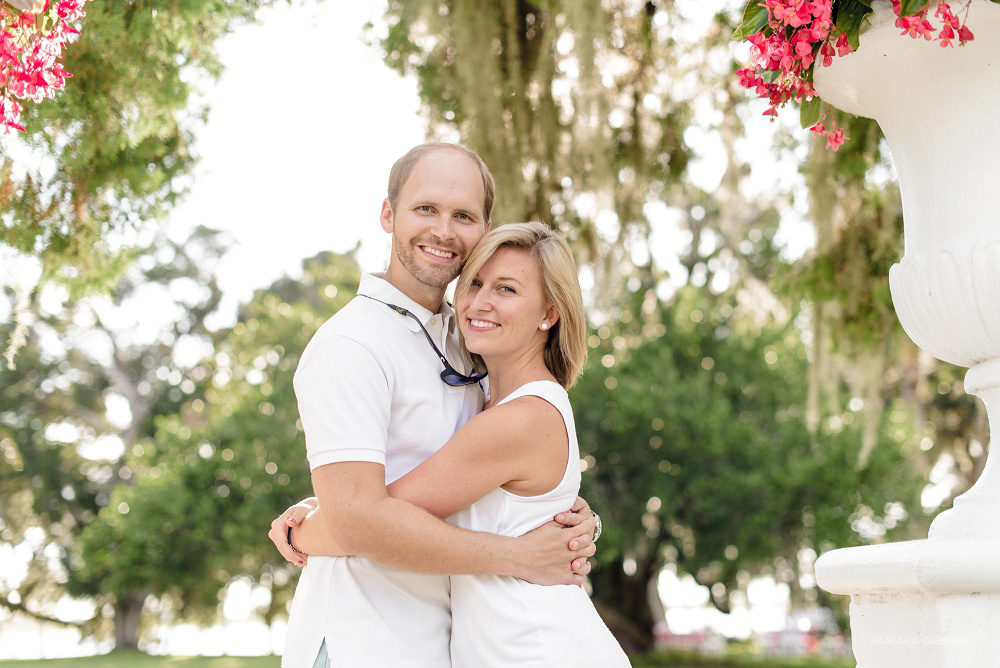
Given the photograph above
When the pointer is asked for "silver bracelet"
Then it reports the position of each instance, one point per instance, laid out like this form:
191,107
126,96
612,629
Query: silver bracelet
597,531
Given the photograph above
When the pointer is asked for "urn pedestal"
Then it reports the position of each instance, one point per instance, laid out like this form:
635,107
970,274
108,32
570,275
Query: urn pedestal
935,602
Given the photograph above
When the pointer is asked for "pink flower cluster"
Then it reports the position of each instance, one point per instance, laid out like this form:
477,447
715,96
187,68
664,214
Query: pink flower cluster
918,26
29,56
800,33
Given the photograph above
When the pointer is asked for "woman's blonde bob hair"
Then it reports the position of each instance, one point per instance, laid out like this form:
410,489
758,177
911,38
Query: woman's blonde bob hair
566,347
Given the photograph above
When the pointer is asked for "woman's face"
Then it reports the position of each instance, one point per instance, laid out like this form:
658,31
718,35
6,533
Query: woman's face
505,306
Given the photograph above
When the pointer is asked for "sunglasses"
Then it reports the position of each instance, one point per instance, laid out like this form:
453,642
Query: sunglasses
450,376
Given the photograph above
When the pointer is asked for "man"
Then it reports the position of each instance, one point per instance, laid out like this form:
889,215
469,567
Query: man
374,405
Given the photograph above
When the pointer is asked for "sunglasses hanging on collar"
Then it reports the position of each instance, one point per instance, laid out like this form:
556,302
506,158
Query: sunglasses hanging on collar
450,376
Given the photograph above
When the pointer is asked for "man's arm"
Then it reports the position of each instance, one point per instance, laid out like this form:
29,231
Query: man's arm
522,441
370,523
311,536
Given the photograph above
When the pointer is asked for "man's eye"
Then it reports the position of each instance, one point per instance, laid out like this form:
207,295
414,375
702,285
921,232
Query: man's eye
423,208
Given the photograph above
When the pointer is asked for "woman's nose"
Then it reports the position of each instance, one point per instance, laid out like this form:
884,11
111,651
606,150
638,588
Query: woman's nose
481,300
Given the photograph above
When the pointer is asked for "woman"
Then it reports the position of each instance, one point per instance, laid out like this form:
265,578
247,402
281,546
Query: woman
515,465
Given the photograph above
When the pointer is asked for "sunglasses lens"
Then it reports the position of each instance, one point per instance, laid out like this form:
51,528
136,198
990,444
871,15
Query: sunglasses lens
455,379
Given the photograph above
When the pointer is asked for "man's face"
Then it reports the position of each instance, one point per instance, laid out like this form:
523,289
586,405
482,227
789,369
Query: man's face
438,218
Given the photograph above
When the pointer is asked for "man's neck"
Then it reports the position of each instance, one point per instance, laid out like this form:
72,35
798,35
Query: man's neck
428,297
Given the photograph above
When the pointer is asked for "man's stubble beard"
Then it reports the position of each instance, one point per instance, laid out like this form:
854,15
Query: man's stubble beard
431,276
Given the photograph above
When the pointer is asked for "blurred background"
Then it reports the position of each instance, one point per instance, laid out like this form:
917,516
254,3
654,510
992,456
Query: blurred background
205,193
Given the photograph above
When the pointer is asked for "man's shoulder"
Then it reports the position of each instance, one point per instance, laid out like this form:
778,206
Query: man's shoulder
356,320
355,326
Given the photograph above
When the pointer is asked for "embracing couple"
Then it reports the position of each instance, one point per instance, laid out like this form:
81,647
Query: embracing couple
400,436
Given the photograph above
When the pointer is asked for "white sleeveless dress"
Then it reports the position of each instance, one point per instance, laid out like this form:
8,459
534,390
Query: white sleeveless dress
501,622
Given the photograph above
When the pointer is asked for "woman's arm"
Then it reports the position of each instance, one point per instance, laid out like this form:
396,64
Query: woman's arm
522,442
521,445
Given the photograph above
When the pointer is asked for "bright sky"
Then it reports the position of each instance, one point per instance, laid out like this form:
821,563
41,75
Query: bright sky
304,171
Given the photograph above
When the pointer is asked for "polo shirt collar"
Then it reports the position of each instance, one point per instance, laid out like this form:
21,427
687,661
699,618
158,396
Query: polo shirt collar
374,285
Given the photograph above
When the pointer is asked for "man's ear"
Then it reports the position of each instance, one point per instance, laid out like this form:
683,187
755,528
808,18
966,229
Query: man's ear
489,225
386,217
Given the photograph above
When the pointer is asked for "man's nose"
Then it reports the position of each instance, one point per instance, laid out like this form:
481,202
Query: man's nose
444,227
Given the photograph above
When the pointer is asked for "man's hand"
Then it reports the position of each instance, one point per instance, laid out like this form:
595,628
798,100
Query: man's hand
578,516
292,517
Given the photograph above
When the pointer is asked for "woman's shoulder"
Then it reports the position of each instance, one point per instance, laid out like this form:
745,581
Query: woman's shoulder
525,412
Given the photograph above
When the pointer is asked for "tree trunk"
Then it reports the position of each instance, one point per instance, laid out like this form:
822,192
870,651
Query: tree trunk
128,614
623,602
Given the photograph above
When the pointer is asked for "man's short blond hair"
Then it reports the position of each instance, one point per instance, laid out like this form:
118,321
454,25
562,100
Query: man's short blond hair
401,171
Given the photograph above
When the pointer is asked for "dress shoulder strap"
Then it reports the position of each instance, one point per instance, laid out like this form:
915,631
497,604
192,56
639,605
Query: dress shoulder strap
552,392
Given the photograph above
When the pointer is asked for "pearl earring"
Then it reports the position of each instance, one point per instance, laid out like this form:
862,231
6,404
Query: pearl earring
545,325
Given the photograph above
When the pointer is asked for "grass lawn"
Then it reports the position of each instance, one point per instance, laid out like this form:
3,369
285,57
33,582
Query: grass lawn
657,660
140,660
736,659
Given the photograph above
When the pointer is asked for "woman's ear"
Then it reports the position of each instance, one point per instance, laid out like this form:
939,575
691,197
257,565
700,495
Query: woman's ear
551,316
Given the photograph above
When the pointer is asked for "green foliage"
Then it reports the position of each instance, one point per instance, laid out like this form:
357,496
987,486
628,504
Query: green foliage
699,455
217,471
911,7
133,659
854,273
684,659
754,20
850,17
113,152
54,409
810,112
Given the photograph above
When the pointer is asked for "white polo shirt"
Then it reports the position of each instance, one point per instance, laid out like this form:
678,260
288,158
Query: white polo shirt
369,389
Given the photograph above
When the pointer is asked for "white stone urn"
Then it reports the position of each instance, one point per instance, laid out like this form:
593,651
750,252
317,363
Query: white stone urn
935,602
31,6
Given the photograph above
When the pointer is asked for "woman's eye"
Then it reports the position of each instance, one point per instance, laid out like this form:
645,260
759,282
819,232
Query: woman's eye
476,284
507,289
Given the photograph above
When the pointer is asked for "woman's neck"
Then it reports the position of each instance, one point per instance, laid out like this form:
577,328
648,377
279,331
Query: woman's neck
507,373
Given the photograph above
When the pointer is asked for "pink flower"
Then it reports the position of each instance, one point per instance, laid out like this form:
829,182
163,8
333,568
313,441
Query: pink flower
29,60
946,35
827,52
836,139
843,45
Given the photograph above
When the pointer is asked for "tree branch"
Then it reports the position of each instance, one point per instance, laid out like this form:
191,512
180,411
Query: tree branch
21,608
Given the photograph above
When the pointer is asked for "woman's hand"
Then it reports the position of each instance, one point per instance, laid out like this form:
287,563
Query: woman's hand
293,517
